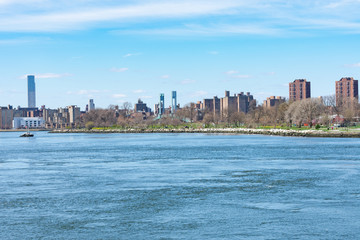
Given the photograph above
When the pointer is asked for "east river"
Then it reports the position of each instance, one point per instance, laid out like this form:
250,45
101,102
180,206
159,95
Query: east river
178,186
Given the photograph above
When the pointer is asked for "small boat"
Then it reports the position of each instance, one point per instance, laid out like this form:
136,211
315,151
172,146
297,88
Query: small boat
27,134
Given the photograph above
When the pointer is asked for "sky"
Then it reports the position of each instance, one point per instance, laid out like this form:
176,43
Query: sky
120,51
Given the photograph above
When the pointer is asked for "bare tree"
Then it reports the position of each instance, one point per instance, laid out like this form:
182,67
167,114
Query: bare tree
237,118
126,107
101,117
304,111
187,113
208,118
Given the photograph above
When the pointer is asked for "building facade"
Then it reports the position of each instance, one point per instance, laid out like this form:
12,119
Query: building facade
140,106
74,114
223,107
30,123
299,89
346,90
236,103
6,117
31,91
273,101
91,105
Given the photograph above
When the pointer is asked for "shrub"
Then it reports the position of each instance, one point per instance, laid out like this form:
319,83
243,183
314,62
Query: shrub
89,125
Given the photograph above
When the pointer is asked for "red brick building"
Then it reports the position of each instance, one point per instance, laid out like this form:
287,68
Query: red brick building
346,90
299,89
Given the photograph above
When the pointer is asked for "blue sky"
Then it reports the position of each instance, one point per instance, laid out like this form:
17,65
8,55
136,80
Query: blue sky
117,51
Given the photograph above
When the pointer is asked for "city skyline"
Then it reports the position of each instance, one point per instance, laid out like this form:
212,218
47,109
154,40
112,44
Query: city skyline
113,52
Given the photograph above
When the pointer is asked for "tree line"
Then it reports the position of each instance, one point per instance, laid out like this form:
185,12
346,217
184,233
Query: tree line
309,112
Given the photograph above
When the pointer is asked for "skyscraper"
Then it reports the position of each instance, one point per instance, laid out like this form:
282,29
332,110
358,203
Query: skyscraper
173,102
31,91
162,104
299,89
91,105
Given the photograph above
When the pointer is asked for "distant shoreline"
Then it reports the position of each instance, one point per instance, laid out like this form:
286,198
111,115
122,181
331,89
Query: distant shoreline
24,130
273,132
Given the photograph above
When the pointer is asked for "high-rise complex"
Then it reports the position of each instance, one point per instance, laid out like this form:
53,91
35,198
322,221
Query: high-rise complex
227,105
299,89
31,91
237,103
346,90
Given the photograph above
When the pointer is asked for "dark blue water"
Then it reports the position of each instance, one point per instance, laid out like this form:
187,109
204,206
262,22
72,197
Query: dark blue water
178,186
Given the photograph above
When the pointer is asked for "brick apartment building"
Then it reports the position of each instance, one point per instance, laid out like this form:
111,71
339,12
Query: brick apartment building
228,104
346,90
273,101
299,89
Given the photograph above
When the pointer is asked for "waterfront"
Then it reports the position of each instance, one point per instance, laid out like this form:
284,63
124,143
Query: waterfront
178,186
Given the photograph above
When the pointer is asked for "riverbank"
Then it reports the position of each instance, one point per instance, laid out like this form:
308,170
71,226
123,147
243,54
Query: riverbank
24,130
275,132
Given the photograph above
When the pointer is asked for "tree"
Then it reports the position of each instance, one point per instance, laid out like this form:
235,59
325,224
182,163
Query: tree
237,118
187,113
89,125
304,111
126,107
208,118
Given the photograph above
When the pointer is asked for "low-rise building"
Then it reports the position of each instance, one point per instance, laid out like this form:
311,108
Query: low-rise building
140,106
273,101
28,122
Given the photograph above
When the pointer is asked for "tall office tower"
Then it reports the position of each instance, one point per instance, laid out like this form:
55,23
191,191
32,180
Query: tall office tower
346,90
162,104
91,105
299,89
31,91
173,102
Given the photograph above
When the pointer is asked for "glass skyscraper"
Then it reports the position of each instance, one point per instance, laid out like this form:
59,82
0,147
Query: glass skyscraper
31,91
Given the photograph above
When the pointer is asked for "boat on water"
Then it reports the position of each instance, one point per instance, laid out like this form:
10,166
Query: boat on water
27,134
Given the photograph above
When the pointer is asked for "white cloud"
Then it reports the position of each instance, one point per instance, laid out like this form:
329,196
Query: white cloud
207,30
165,76
47,75
139,91
264,17
270,73
146,97
119,69
353,65
79,18
187,81
119,95
231,72
200,93
84,92
242,76
131,54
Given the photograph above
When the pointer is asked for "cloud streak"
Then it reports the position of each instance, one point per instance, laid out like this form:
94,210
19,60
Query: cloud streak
355,65
47,75
54,21
237,17
119,69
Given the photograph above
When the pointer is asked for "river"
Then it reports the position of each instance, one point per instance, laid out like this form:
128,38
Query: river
178,186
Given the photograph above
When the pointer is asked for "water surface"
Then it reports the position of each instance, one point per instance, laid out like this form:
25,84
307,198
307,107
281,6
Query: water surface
178,186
